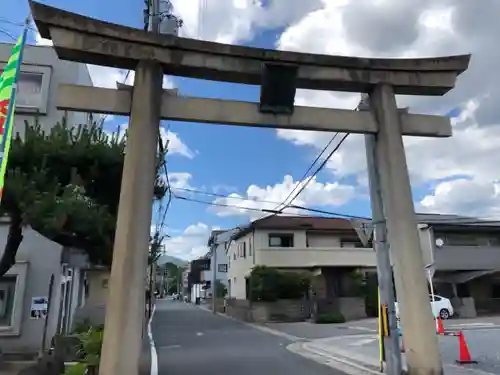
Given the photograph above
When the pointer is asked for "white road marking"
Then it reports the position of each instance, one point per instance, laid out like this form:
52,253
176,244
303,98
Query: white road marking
199,333
363,342
473,325
154,355
359,328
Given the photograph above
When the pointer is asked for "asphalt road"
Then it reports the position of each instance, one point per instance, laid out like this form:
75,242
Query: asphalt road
192,341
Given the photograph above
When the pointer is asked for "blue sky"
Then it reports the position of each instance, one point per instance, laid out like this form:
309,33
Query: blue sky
230,159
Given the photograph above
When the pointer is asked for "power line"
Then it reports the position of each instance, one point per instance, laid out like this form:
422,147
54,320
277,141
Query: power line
319,168
163,152
227,205
271,211
298,207
304,176
226,196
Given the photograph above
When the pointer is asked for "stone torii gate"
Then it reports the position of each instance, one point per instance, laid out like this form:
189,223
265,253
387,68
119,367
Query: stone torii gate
279,73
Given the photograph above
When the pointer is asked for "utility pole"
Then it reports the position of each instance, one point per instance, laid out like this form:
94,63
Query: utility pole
381,247
155,16
214,276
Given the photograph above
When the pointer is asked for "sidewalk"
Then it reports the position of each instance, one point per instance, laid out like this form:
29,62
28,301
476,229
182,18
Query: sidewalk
359,354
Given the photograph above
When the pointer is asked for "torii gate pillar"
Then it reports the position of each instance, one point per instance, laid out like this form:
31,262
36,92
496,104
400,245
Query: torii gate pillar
125,305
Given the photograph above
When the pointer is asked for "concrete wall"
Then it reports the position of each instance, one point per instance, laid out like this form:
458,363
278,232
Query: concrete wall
467,258
261,312
43,60
39,258
222,260
94,308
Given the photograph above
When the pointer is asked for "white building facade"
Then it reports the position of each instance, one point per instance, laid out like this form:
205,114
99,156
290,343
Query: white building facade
40,75
26,291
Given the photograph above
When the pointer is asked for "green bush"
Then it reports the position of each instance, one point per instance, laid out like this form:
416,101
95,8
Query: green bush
331,317
85,325
76,369
90,346
269,285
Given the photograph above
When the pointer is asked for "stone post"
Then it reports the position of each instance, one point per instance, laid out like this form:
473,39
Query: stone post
422,349
125,304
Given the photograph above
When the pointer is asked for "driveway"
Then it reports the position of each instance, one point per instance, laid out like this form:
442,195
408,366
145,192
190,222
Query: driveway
310,331
350,353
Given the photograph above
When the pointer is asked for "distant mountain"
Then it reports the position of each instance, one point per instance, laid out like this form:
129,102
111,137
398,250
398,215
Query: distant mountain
170,259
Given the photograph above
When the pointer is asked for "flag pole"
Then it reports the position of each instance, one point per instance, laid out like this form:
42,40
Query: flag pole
9,123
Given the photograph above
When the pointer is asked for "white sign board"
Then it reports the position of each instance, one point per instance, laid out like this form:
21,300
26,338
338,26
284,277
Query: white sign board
364,229
39,307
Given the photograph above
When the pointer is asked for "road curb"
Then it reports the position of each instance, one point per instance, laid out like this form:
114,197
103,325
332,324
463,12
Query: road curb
152,346
340,363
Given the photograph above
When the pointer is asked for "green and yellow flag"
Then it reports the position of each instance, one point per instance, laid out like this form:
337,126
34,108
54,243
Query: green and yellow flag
8,81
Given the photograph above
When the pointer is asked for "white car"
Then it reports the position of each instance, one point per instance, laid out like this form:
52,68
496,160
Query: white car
441,307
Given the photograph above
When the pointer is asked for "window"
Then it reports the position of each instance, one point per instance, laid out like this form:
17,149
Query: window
463,290
281,240
222,267
436,298
7,293
234,255
242,252
249,248
29,94
32,88
458,239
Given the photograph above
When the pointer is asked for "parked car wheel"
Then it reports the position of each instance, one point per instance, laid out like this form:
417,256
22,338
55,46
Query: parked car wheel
444,314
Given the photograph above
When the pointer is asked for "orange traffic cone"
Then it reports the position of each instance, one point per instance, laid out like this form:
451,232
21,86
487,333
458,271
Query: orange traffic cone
440,326
465,357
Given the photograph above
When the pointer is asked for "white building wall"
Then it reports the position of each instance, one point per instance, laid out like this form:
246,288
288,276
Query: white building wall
222,260
37,259
240,265
42,60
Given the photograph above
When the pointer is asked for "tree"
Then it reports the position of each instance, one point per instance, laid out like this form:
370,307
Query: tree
220,289
173,275
65,184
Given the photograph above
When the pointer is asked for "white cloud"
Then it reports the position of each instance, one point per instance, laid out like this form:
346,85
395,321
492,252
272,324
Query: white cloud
430,28
315,194
191,244
233,21
180,180
466,197
103,76
175,144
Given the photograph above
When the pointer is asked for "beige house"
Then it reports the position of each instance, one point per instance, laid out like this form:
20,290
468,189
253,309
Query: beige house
326,247
463,255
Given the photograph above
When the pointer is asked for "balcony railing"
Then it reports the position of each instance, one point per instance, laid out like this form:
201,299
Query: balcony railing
315,257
